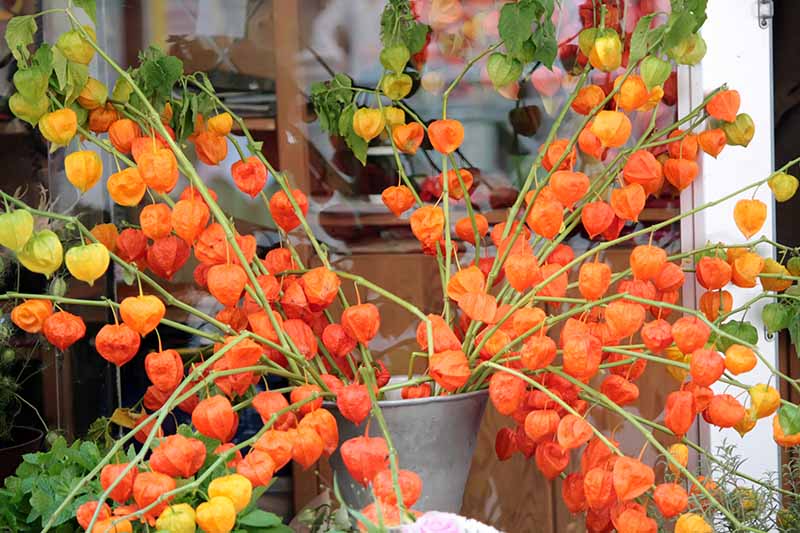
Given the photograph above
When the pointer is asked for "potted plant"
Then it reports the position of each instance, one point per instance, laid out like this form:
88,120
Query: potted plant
549,332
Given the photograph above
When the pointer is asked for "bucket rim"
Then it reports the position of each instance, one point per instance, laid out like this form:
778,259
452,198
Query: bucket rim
423,401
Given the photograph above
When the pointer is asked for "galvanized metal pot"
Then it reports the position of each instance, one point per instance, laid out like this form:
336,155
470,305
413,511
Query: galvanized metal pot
435,437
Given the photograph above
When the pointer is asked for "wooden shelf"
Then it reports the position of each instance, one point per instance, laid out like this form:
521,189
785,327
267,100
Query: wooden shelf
258,124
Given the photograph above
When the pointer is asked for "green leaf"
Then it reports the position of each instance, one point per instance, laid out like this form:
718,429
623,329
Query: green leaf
639,38
679,27
789,419
60,68
794,330
259,518
19,35
77,76
546,44
89,6
775,316
356,143
398,26
744,332
503,69
516,24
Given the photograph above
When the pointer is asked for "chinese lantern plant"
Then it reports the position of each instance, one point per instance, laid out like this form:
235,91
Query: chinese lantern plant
548,330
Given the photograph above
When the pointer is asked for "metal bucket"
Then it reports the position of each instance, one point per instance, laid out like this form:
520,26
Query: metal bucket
434,437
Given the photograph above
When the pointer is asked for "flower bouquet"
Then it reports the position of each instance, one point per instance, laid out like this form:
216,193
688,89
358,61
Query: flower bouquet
550,332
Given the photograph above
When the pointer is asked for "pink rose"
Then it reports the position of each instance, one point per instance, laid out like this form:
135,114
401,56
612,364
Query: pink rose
435,522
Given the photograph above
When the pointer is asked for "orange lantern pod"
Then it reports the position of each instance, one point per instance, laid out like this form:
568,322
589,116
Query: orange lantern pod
361,322
279,260
598,488
725,411
122,132
786,441
572,493
526,319
582,356
479,306
377,513
541,423
647,261
302,392
178,456
320,286
414,392
234,317
643,168
101,118
587,99
189,219
628,201
63,329
427,224
210,147
302,336
449,369
739,359
680,172
525,234
713,273
613,128
684,148
596,217
268,403
573,432
212,247
156,220
466,280
324,424
596,454
443,337
551,459
140,145
505,444
522,271
690,333
364,457
557,288
149,487
190,193
724,105
278,444
167,255
746,269
679,412
280,207
249,175
106,234
632,93
714,302
619,390
465,230
657,335
593,280
31,315
671,499
142,313
131,245
630,371
446,135
398,198
712,141
538,352
223,449
126,187
258,467
569,187
294,301
409,482
408,137
706,367
589,143
634,520
702,395
337,341
454,189
215,418
117,343
555,151
507,392
226,283
625,318
159,170
164,369
546,217
749,216
669,278
354,402
632,478
111,473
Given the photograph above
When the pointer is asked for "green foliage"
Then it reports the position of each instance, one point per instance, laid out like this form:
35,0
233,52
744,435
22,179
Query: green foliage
89,6
334,105
522,42
789,419
743,332
156,76
326,519
19,36
399,27
43,481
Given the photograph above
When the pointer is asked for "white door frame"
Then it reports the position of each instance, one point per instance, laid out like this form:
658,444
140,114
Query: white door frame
739,54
